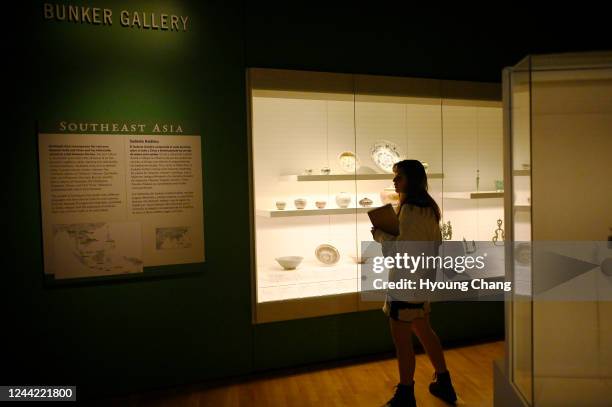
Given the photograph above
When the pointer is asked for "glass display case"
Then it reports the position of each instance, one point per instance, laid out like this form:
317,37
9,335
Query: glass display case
557,123
322,146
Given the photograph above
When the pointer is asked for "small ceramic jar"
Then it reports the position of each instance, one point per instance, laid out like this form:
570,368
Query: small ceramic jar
320,204
280,205
343,199
300,203
365,202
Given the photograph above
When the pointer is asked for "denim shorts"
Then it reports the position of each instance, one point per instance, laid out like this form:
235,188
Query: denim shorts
405,311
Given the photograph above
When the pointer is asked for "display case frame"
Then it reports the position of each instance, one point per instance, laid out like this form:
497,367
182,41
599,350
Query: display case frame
444,94
562,99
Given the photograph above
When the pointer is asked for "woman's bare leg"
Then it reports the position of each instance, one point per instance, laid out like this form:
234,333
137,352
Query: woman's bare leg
402,337
430,342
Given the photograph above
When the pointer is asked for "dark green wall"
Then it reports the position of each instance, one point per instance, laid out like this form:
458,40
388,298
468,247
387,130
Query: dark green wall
117,337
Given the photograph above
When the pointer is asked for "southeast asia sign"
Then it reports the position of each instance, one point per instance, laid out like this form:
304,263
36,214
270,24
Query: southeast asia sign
118,197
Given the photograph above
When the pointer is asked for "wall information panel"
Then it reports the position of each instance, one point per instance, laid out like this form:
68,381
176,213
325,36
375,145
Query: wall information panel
115,203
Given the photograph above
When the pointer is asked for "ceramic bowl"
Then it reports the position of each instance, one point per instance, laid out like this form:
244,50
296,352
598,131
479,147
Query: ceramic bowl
280,205
289,262
320,204
300,203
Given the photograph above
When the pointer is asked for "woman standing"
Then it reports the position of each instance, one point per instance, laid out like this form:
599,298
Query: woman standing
419,220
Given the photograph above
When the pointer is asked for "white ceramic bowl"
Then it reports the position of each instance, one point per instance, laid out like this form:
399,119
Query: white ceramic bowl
300,203
289,262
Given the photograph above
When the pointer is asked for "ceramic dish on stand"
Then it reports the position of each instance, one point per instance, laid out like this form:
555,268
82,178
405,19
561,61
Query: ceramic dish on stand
385,154
327,254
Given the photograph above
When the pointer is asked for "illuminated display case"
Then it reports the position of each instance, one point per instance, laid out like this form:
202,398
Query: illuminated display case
321,149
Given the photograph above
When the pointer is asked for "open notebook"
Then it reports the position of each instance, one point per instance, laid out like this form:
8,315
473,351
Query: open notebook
385,218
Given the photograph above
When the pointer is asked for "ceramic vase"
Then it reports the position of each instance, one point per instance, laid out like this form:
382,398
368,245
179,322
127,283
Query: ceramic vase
343,199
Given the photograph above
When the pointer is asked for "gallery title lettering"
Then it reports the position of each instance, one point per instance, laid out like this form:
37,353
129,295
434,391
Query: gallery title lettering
115,127
104,16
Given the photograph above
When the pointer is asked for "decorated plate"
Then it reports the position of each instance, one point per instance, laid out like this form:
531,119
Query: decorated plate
348,161
327,254
385,154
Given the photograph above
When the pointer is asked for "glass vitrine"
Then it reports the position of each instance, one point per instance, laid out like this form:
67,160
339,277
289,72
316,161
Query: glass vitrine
557,120
316,169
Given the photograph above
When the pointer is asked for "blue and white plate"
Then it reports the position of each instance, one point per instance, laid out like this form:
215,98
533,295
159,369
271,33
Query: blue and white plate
385,154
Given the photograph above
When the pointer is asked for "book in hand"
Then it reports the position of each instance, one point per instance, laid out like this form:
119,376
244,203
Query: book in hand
385,219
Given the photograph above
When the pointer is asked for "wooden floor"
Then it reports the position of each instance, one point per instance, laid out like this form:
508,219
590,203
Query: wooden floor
360,384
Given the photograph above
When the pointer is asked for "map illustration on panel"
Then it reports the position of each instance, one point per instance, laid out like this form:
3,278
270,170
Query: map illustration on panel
177,237
97,249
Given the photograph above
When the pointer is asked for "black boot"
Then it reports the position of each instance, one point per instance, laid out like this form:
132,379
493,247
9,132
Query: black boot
442,387
403,397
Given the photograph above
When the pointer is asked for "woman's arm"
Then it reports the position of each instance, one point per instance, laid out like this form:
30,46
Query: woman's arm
404,226
414,225
381,236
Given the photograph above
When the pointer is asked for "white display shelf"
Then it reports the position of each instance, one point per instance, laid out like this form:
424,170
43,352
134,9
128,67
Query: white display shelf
347,177
521,172
276,213
473,195
309,271
306,290
522,207
309,279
